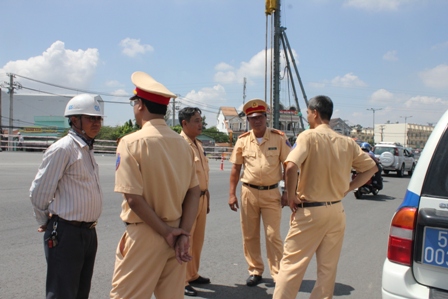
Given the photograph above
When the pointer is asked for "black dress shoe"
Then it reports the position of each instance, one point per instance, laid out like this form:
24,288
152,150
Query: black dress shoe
190,291
200,280
253,280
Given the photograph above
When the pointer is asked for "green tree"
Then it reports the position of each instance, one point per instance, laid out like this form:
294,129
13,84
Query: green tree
216,135
204,124
177,128
114,133
127,128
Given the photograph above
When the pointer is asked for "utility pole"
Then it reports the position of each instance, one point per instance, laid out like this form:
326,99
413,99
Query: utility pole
1,115
174,111
1,119
405,129
246,123
11,86
382,131
373,110
276,71
244,91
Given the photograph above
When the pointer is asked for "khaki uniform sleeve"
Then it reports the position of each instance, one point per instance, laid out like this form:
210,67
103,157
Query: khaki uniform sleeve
300,152
285,149
361,161
237,153
128,178
193,177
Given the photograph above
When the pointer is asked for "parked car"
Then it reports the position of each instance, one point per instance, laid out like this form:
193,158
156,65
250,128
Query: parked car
394,157
417,257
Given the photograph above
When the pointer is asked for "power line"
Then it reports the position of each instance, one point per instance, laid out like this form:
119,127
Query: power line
74,89
206,108
46,92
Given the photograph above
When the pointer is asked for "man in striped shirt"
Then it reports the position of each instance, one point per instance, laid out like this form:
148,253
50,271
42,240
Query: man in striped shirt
67,200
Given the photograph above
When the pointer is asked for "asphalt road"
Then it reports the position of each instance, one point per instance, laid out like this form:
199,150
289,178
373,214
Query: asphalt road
22,260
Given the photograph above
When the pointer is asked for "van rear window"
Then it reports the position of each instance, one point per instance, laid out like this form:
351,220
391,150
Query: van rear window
436,180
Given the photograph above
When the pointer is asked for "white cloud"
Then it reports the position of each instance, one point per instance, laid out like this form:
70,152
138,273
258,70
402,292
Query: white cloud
251,70
441,46
120,93
376,5
255,67
132,47
57,65
436,77
424,101
113,83
207,95
221,67
390,56
203,97
382,96
348,80
225,77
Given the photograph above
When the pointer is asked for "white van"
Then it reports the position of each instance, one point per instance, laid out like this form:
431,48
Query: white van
417,258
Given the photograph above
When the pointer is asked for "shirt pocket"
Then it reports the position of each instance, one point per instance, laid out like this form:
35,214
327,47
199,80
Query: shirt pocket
273,156
249,156
197,163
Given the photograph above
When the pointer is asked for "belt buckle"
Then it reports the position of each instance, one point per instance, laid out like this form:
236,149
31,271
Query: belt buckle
262,187
92,225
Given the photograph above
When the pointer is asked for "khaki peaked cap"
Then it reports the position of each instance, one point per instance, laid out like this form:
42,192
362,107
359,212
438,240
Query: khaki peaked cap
255,107
149,89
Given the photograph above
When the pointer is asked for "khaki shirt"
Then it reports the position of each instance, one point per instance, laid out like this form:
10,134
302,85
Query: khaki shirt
325,159
156,163
200,160
262,161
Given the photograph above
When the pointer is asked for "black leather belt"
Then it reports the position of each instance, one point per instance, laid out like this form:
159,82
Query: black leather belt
81,224
127,223
203,192
261,187
316,204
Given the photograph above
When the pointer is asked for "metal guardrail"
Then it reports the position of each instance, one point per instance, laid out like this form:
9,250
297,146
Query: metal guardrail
41,143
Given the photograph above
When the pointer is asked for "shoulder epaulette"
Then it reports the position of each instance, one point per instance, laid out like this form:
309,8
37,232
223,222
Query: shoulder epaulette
277,132
244,134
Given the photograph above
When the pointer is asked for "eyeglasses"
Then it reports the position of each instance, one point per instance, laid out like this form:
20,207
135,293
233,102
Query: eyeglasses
132,102
93,118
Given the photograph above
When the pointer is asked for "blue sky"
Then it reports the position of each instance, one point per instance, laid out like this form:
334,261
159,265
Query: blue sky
382,54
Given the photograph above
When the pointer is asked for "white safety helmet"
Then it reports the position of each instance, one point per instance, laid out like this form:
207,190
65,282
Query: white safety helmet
83,104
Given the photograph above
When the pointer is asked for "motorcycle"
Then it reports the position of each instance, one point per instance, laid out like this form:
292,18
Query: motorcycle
370,186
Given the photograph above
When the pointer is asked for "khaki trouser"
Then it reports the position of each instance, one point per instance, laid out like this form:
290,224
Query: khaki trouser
146,265
197,240
257,205
312,230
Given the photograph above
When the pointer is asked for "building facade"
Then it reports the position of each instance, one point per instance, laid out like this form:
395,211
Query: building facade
35,114
410,135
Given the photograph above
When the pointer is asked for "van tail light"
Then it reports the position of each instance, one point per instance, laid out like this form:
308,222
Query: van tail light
401,236
395,151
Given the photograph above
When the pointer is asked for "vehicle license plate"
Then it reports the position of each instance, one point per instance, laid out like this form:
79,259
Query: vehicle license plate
435,247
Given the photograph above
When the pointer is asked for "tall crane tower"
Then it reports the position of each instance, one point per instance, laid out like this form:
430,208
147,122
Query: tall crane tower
279,36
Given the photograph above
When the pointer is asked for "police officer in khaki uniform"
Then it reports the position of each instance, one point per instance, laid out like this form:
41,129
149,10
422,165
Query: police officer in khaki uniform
325,159
191,121
155,171
262,151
